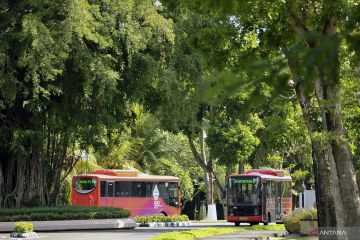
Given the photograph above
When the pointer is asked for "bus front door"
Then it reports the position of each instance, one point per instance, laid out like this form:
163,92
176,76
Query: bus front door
110,187
278,200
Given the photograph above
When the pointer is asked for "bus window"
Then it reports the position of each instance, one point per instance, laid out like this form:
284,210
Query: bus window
273,190
163,192
138,189
150,189
244,191
84,185
286,189
122,189
110,189
173,194
103,189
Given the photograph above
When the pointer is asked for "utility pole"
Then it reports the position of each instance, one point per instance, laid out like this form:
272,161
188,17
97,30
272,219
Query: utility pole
212,215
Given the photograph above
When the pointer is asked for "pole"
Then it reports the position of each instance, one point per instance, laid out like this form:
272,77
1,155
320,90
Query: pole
212,215
212,187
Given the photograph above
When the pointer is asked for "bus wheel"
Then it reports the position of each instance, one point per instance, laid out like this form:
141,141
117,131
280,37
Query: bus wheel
253,223
237,224
163,213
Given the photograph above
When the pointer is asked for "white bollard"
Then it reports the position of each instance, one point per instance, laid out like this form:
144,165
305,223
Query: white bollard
211,214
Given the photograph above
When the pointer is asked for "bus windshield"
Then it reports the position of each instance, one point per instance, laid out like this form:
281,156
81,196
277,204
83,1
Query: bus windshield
244,191
84,185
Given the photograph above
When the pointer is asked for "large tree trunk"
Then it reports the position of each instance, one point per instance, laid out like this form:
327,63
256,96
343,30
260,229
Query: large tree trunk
35,176
337,191
328,198
1,183
327,92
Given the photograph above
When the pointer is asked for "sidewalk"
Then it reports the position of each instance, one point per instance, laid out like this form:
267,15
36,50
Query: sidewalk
248,235
60,225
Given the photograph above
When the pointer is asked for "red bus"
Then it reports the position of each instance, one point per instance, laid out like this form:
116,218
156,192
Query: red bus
259,195
140,193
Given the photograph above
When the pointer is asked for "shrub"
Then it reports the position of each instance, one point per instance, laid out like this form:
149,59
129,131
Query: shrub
61,213
160,218
23,227
292,221
313,212
310,214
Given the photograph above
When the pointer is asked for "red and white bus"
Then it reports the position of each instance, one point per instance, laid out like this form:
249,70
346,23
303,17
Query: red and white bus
140,193
259,195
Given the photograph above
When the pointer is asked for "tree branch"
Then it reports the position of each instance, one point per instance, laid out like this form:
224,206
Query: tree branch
201,162
300,28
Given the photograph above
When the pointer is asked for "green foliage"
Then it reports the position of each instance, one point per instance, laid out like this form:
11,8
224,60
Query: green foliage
292,221
310,214
68,73
195,234
23,227
161,218
234,142
60,213
208,232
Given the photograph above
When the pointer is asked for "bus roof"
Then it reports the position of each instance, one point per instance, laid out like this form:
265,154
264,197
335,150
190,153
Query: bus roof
265,174
140,176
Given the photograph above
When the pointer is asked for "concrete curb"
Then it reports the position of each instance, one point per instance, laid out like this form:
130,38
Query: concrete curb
164,224
57,225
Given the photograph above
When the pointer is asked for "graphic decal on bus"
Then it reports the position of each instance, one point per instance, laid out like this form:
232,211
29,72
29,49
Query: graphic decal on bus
156,194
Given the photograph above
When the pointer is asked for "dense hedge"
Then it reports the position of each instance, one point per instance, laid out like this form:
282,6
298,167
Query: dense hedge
60,213
161,218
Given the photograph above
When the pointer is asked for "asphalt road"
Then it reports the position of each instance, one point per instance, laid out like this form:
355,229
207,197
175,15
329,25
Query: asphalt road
140,233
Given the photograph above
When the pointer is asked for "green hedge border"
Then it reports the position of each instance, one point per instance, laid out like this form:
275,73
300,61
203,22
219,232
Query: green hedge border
61,213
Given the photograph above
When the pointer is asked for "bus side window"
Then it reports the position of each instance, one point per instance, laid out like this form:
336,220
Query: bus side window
279,189
150,188
163,193
138,189
103,189
287,189
122,189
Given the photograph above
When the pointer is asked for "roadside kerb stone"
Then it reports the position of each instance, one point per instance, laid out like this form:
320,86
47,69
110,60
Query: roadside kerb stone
29,235
165,224
74,224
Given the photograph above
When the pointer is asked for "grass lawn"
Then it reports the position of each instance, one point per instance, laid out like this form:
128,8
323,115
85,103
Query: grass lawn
207,232
294,238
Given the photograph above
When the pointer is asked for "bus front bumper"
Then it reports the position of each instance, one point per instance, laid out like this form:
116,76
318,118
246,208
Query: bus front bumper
244,219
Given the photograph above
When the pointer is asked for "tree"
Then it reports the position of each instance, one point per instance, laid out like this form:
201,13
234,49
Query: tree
65,73
298,43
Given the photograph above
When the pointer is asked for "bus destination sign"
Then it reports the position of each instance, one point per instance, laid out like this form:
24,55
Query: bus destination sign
86,181
244,180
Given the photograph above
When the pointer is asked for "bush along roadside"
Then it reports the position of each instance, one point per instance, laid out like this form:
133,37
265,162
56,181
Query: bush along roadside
61,213
162,221
23,230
